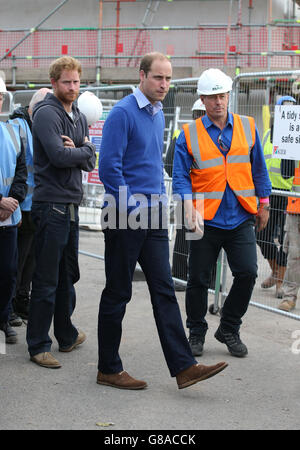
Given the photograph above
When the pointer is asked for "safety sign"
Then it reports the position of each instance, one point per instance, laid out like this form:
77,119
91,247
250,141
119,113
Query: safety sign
95,132
286,132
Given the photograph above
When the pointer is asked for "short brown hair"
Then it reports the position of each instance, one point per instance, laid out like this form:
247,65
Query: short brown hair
64,63
148,59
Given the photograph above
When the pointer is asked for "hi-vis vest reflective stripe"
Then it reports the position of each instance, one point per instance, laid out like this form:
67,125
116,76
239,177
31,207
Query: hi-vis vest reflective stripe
26,136
10,148
211,170
273,165
293,206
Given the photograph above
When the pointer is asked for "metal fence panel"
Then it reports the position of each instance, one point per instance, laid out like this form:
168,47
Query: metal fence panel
256,94
253,94
243,46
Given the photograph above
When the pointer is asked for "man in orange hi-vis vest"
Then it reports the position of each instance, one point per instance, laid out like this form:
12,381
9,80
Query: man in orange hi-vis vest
220,173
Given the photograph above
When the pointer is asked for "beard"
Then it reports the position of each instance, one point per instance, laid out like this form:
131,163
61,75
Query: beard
69,97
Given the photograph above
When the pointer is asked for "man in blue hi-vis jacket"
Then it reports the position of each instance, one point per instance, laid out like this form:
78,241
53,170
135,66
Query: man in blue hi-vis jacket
13,188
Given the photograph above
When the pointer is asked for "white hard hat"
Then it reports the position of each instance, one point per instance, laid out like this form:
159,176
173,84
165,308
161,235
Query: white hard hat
90,105
198,105
213,81
296,87
2,86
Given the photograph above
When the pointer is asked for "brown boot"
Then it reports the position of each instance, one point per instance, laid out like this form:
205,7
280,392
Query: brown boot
45,359
287,305
279,282
198,372
80,339
271,280
120,380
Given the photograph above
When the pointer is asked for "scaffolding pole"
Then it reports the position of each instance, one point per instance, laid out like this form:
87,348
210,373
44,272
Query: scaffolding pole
32,30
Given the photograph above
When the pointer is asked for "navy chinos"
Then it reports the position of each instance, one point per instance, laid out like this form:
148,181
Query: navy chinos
150,248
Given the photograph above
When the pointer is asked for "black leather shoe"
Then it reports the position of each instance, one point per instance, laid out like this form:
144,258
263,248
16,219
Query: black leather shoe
196,343
234,344
179,287
14,320
10,334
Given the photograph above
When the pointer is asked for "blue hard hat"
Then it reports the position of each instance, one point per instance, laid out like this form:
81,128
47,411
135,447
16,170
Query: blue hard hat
285,98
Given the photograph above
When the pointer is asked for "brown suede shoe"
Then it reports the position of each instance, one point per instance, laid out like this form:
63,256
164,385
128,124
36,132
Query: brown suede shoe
45,360
198,372
287,305
80,339
120,380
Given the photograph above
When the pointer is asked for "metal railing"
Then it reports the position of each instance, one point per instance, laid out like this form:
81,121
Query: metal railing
248,97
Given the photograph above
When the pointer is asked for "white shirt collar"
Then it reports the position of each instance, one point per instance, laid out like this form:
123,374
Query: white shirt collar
143,102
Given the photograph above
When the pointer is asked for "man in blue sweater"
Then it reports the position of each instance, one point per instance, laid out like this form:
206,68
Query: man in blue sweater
131,169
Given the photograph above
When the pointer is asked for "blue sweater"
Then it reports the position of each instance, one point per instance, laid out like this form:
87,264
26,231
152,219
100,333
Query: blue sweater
131,152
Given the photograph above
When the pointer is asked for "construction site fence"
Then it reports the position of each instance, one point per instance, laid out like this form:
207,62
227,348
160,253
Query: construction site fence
253,94
265,46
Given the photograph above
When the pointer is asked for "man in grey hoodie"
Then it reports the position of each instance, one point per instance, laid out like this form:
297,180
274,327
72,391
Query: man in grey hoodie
61,151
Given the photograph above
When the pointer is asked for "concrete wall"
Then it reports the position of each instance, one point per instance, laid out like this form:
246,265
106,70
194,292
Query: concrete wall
76,13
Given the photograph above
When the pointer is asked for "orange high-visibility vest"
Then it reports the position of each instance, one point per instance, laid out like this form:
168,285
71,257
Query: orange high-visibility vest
293,206
211,171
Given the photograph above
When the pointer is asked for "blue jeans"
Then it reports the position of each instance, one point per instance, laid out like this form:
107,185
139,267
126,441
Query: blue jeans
150,247
8,269
240,247
53,294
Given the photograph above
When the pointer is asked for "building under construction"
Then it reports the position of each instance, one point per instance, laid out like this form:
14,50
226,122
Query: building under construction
110,36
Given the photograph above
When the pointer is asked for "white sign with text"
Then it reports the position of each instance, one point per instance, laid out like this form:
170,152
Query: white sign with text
286,132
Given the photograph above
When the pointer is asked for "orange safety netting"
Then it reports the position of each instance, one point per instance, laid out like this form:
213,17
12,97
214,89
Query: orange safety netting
204,46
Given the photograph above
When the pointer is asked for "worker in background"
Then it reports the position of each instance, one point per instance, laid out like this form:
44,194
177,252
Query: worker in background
26,261
180,251
219,171
271,250
291,243
13,188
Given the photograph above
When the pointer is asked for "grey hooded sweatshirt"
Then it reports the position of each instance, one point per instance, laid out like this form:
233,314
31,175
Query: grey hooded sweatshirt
57,169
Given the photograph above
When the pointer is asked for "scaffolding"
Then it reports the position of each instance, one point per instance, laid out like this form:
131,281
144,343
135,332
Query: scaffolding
234,46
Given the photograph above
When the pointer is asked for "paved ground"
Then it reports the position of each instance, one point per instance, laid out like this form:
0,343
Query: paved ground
260,391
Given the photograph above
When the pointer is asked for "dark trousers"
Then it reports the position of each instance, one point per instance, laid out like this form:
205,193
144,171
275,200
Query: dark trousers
123,248
274,229
8,269
53,294
26,259
181,250
240,247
